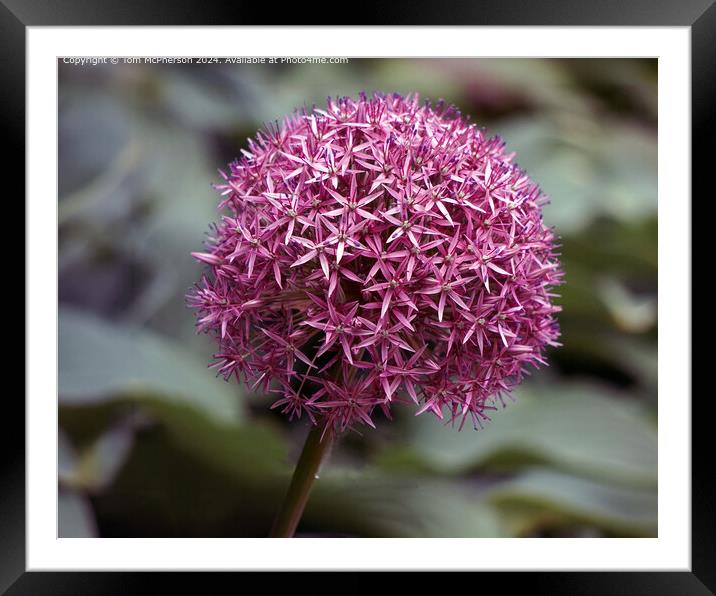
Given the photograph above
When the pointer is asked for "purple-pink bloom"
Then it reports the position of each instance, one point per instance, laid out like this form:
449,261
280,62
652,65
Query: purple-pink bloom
376,251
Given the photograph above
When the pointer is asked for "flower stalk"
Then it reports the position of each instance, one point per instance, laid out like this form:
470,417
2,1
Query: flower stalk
315,450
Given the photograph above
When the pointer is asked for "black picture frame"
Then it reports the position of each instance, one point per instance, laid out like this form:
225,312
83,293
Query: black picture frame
699,15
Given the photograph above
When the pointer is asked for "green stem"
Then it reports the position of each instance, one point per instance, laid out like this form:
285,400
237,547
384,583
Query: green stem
318,444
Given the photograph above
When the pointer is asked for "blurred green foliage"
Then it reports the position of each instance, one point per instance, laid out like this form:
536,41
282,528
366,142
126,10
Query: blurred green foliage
152,444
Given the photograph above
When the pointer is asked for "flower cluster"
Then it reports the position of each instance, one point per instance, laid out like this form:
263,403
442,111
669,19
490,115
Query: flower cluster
379,250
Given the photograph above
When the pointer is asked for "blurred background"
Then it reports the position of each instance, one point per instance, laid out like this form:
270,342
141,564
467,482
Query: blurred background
152,444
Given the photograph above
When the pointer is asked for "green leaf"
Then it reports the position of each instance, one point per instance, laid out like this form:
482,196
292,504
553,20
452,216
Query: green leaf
75,518
372,503
97,464
576,428
197,479
99,362
587,167
206,103
189,481
540,498
247,451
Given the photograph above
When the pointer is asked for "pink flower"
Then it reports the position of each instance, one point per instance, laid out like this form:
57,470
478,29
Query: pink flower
378,251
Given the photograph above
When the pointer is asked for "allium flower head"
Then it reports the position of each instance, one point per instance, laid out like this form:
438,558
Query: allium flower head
378,251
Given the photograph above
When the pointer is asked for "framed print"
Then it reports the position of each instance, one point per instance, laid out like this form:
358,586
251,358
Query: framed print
352,298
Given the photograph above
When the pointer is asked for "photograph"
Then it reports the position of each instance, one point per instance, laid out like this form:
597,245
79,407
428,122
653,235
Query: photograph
332,297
